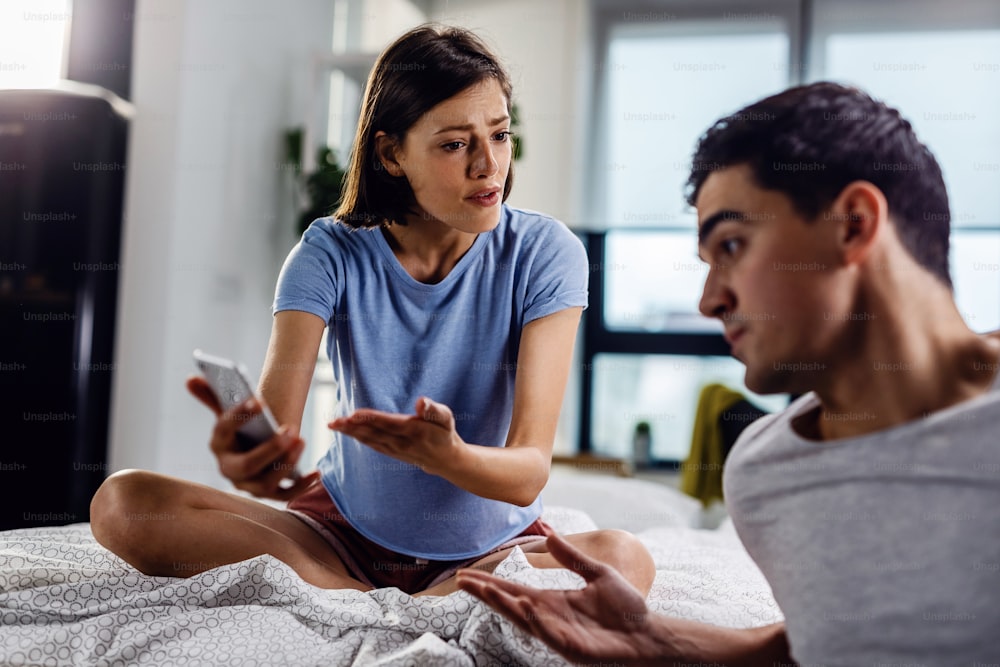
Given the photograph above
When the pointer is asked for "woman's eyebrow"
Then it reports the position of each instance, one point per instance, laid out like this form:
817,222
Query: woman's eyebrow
469,126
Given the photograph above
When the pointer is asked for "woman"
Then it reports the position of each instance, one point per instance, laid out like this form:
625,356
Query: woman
436,296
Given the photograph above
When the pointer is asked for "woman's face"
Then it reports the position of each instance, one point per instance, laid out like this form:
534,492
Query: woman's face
456,158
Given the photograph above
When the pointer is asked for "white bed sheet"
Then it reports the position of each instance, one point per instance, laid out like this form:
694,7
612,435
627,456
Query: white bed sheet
64,600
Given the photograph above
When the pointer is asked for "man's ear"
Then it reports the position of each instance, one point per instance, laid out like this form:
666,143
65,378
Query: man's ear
386,148
860,211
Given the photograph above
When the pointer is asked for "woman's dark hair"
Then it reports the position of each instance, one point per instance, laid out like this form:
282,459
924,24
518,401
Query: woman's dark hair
810,141
421,69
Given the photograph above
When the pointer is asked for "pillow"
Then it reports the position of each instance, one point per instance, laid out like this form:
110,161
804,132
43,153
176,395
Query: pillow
567,520
622,502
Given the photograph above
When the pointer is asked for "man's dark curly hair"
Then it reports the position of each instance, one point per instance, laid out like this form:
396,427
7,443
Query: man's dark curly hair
810,141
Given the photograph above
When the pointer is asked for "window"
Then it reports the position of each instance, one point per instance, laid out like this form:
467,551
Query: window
32,42
664,81
666,71
661,390
943,73
663,77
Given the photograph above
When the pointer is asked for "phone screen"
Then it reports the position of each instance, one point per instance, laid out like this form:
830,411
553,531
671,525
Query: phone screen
231,385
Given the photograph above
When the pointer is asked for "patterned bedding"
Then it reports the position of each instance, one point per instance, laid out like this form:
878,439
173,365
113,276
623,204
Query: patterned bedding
65,600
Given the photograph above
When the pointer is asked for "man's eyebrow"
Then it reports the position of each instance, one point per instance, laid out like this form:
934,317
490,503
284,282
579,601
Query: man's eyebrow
469,126
713,220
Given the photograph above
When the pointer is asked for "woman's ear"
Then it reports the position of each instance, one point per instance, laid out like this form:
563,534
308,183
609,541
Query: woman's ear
386,148
859,210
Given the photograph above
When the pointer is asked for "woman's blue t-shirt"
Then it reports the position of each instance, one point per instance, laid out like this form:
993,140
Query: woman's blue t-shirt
392,339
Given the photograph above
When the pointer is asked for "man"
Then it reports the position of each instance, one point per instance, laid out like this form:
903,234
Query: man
872,503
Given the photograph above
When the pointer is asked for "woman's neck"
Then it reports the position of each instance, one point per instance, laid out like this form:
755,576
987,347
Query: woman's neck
427,250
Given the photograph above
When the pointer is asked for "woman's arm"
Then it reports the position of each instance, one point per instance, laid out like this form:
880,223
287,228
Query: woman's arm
515,473
518,472
290,363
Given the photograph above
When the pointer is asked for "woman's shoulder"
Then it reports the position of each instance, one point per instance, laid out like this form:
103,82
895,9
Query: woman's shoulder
541,243
530,224
523,218
328,227
332,234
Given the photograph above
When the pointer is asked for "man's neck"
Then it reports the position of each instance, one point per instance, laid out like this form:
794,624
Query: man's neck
906,364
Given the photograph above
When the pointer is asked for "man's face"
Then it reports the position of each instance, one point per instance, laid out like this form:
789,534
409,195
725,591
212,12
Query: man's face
771,281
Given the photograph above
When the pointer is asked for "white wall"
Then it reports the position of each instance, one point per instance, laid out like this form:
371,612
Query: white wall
382,21
209,216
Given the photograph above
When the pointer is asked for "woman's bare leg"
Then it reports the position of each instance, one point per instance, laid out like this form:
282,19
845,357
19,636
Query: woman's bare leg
619,549
164,526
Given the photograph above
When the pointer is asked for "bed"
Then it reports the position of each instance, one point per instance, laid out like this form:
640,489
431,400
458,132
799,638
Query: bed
65,600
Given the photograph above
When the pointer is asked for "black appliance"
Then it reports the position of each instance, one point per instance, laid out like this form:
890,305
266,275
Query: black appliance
62,176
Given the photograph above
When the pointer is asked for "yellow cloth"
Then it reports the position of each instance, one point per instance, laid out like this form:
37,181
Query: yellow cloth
701,473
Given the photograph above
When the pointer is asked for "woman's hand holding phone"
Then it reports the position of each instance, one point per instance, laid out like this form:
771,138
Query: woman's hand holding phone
268,470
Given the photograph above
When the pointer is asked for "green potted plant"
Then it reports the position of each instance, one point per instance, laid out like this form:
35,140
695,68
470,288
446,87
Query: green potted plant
319,189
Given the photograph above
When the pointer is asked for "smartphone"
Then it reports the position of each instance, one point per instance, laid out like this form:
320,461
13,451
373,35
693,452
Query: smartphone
231,384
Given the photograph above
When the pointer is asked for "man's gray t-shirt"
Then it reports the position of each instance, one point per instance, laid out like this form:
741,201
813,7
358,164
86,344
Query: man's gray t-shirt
882,549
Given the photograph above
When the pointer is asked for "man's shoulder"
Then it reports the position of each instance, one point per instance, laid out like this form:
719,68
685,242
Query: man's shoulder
771,427
774,443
